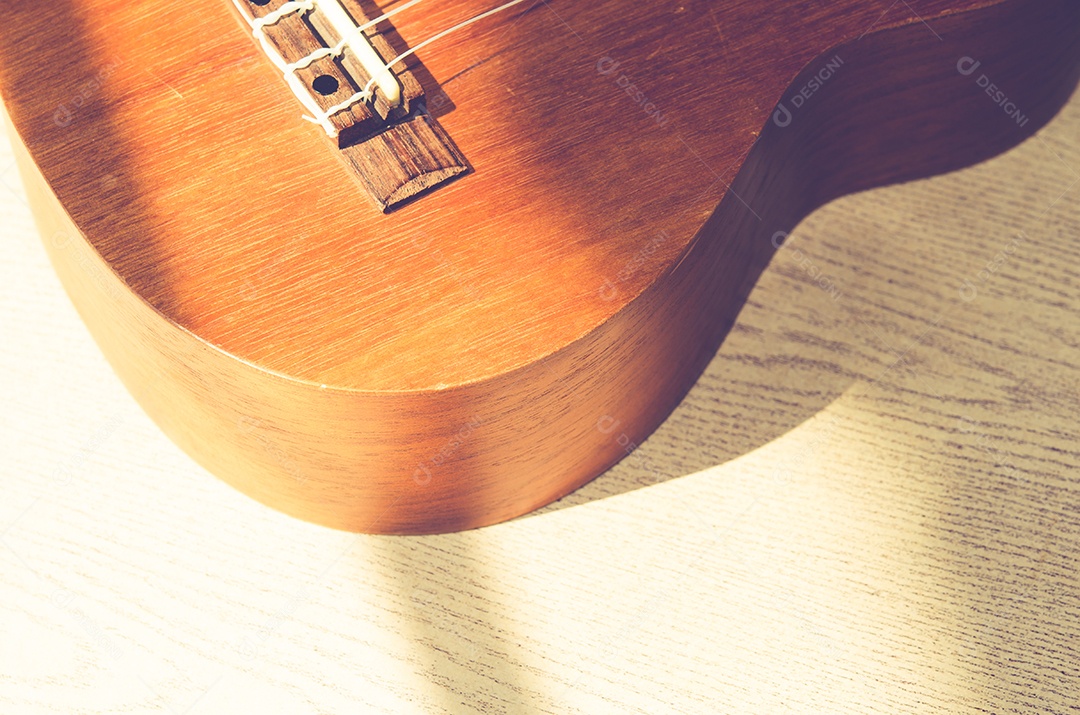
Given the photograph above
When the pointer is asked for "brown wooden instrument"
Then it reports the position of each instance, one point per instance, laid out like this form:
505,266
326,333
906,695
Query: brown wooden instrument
450,311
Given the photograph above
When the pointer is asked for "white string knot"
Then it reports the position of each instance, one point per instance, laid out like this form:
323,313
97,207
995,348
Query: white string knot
320,116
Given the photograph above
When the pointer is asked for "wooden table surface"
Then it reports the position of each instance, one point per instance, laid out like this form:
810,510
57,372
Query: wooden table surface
869,504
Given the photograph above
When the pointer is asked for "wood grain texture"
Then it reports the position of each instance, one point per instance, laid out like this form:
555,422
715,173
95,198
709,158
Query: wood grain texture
870,503
405,161
501,342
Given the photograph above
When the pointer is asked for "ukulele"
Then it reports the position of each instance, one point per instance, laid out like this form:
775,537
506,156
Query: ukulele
429,266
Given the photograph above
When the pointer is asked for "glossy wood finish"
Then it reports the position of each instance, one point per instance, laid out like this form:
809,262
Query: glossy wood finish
498,343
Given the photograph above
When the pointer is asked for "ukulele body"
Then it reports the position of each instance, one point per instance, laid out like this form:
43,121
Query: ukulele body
494,344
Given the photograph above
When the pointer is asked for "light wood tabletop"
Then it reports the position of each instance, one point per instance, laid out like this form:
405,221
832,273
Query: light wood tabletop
870,503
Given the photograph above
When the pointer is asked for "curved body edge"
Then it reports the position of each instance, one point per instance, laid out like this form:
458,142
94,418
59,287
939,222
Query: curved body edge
479,453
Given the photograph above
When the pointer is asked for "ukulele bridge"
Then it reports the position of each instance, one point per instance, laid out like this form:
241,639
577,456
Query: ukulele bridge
340,68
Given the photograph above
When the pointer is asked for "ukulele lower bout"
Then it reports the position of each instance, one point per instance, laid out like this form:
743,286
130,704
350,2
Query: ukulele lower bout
483,351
